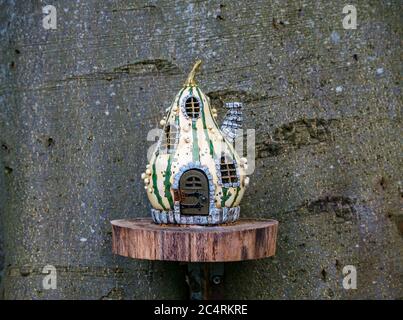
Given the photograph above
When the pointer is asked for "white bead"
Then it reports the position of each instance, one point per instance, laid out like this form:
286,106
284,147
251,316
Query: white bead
148,166
145,187
148,172
163,122
246,181
146,181
243,160
214,110
143,176
150,189
187,139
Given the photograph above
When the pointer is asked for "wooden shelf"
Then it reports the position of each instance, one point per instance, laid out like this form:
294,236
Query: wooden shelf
242,240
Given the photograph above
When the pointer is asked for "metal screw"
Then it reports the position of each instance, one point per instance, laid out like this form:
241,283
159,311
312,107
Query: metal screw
216,279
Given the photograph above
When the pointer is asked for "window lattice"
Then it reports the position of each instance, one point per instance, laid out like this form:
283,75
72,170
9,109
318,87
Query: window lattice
192,107
228,171
169,139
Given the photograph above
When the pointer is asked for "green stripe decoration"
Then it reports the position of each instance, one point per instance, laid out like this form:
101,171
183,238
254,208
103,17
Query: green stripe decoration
157,194
167,183
195,150
209,142
225,196
236,196
196,155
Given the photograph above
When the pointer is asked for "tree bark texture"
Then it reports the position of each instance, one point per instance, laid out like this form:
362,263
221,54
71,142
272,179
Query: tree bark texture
76,104
245,239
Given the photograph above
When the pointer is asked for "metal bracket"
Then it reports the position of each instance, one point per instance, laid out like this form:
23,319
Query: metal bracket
205,281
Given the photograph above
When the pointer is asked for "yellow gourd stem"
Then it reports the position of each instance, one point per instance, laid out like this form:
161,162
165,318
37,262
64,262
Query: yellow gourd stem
190,80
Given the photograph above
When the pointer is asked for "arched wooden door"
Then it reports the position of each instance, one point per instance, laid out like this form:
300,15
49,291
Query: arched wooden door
194,193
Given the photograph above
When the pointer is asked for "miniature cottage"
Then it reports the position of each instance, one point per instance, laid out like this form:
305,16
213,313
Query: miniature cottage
195,176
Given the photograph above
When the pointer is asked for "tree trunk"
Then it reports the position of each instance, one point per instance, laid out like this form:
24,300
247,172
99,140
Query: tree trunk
76,103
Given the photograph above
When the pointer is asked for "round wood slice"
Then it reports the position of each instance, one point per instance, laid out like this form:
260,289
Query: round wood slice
242,240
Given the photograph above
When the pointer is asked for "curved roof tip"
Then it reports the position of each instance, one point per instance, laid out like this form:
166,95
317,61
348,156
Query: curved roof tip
190,80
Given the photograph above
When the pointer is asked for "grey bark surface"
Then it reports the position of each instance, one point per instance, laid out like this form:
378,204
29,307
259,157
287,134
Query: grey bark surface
76,104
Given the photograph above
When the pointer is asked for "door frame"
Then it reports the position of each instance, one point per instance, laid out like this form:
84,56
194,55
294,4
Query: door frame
204,189
175,188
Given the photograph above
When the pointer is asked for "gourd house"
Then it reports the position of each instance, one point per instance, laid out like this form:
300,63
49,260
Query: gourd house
195,175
